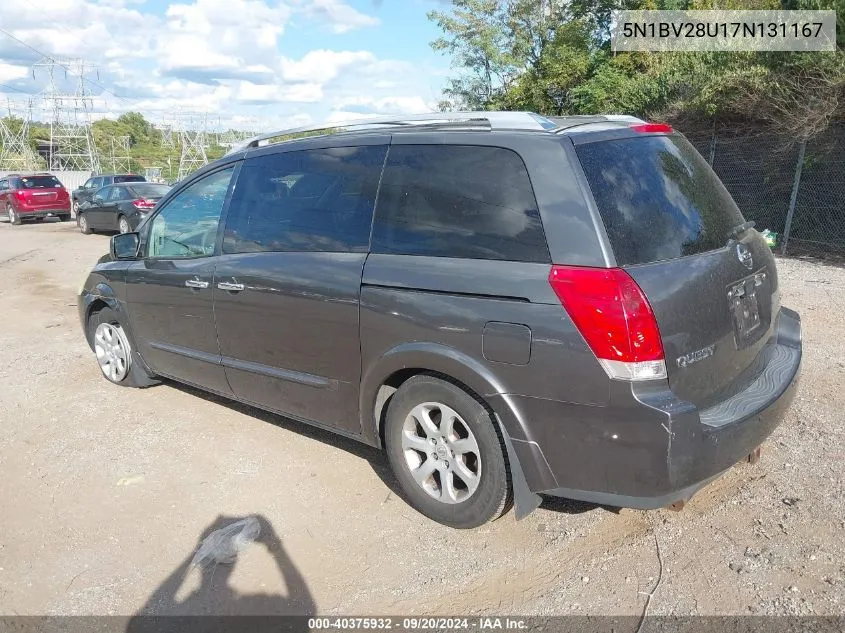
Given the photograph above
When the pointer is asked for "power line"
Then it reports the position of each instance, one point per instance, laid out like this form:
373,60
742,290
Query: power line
67,68
15,89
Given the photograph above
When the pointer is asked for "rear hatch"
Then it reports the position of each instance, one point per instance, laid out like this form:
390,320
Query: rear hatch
41,192
709,277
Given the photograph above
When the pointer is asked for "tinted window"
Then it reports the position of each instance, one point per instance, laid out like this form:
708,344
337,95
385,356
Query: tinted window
658,198
119,193
313,200
97,183
187,225
102,194
458,201
39,182
129,179
4,185
149,190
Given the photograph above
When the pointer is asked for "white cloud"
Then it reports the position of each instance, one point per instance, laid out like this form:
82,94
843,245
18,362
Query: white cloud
337,14
323,65
219,56
9,72
413,104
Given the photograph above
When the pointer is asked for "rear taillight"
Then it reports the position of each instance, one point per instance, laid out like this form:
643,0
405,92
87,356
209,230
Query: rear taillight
143,205
614,317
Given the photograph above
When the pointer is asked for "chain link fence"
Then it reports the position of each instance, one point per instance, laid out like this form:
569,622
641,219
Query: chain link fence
795,189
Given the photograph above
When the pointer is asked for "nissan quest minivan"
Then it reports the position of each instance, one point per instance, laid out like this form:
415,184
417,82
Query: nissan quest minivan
508,305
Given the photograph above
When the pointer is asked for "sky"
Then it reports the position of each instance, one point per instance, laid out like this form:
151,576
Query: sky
248,64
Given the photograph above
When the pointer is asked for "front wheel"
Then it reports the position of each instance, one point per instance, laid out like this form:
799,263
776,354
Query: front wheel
123,224
446,453
114,352
82,223
76,207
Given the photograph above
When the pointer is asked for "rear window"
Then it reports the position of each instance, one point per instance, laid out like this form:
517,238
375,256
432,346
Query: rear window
150,190
129,179
458,201
658,198
39,182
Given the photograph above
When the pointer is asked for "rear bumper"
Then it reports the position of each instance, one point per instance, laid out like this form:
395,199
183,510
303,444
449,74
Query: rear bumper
26,214
649,449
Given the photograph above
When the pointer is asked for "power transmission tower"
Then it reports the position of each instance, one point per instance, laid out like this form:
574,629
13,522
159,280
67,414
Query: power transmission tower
71,141
15,153
120,159
192,137
166,130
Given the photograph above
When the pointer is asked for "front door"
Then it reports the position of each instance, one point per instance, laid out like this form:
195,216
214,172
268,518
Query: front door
169,291
288,282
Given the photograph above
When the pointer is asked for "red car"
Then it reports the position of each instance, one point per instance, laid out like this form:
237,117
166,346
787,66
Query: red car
35,196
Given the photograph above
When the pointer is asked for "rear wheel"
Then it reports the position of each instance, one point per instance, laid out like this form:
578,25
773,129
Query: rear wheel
82,223
446,453
64,218
14,217
123,224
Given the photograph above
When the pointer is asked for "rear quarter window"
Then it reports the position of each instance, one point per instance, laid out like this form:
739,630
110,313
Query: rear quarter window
658,198
118,179
464,201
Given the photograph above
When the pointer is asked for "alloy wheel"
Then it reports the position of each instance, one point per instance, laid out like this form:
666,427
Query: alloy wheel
112,351
441,452
123,225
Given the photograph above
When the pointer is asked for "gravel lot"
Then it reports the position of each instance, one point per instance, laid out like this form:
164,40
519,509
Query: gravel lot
105,493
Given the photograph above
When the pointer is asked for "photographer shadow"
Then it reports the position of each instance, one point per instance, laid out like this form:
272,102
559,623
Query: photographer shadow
217,598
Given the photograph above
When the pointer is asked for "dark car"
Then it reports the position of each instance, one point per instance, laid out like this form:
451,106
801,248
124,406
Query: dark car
33,197
119,207
508,305
95,183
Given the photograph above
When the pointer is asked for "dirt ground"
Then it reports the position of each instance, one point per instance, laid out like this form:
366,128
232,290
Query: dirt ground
105,493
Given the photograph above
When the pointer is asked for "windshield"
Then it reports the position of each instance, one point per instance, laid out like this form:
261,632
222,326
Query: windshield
39,182
150,190
658,198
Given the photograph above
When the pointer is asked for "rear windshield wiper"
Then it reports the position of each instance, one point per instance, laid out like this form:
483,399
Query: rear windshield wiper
739,228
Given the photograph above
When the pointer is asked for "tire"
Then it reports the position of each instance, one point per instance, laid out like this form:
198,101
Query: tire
64,218
112,347
14,217
82,223
75,207
471,457
123,224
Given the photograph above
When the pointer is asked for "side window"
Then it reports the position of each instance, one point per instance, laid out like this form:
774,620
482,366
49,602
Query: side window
187,225
4,185
103,194
89,184
118,193
458,201
317,200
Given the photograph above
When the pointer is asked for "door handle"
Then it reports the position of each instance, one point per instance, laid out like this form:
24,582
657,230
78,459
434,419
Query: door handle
225,285
196,283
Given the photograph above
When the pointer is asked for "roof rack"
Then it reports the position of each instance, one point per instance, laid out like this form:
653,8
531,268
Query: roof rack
435,120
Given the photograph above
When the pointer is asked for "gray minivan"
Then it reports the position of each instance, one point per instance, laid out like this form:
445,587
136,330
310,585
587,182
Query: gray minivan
509,305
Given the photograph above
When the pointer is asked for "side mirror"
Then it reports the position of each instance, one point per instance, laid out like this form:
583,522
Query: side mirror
125,246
